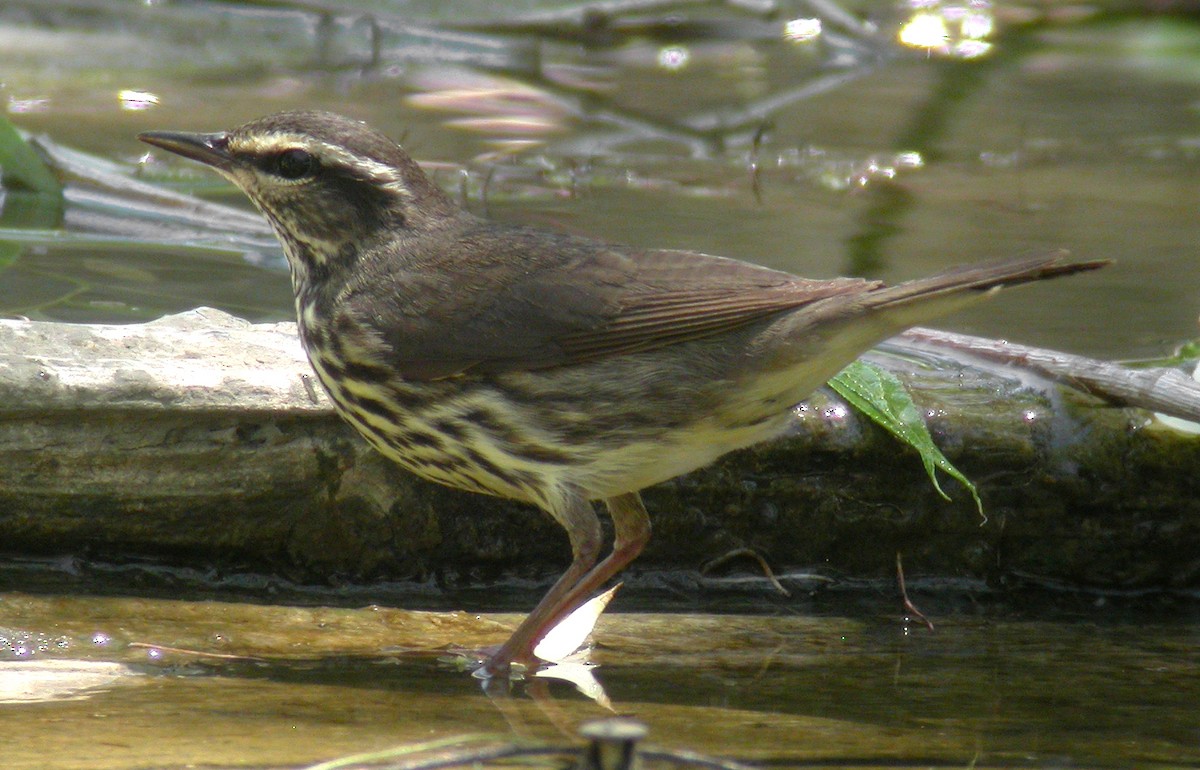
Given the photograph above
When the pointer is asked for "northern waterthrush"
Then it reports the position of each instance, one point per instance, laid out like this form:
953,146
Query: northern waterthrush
541,366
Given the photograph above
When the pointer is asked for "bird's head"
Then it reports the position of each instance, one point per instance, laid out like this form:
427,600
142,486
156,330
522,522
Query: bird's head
330,186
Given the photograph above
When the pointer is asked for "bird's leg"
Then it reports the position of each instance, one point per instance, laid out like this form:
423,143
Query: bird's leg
631,532
631,528
583,530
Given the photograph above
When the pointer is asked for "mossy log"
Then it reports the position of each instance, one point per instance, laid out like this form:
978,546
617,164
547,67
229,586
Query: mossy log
203,439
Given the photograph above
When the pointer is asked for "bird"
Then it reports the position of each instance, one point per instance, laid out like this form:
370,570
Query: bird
541,366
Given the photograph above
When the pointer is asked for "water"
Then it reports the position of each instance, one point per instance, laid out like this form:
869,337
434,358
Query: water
1079,136
1074,138
286,685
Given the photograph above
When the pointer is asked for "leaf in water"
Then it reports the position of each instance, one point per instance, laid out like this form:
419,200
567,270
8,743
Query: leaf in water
564,648
879,395
22,166
569,635
582,677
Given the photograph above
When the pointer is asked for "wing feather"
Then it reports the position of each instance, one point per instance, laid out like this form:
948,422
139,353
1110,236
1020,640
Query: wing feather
510,298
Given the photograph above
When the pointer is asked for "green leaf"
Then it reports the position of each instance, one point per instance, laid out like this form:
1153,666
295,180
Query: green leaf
879,395
29,209
22,167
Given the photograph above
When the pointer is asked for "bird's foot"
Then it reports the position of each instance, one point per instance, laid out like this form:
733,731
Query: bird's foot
533,647
488,663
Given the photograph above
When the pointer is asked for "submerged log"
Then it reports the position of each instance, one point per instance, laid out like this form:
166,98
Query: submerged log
203,439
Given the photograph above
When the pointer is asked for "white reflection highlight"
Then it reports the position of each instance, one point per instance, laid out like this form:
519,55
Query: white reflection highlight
674,57
959,30
802,30
135,100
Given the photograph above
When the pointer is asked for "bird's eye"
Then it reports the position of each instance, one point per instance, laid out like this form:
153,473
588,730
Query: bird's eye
295,164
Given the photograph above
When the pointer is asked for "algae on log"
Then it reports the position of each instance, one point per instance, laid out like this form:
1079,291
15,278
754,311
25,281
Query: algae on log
203,439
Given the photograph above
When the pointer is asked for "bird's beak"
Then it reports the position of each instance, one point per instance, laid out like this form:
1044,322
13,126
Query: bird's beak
211,149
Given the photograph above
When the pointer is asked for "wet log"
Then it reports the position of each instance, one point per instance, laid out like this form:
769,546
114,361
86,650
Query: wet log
201,439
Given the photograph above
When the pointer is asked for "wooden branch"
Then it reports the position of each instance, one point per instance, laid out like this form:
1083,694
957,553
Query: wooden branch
1169,391
203,439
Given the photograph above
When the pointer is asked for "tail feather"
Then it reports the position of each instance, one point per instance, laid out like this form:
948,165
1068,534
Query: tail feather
836,330
805,348
983,278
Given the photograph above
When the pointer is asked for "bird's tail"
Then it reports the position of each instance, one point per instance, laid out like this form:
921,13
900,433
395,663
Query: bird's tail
803,350
969,282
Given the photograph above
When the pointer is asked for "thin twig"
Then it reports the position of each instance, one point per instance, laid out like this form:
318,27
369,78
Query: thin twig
908,605
750,552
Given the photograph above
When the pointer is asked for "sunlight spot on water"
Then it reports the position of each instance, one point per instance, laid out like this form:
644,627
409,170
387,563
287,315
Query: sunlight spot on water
956,30
674,57
802,30
134,100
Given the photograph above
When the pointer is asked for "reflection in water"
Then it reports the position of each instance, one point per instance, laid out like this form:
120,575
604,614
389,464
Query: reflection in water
294,685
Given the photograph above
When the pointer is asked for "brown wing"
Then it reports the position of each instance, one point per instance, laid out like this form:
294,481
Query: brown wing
668,314
505,299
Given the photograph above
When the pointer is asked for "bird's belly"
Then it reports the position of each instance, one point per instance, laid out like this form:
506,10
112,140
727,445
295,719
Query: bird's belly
640,464
531,435
456,432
